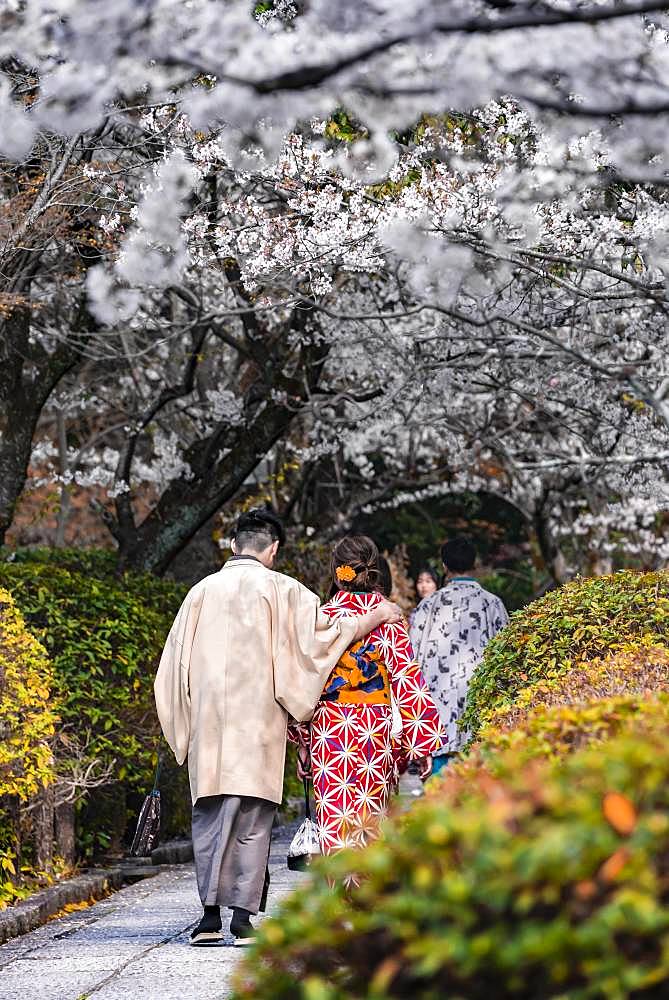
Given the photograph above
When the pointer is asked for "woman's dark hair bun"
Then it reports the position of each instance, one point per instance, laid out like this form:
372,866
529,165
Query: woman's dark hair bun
361,554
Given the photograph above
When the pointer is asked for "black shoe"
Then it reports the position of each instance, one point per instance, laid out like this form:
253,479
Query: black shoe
209,931
241,928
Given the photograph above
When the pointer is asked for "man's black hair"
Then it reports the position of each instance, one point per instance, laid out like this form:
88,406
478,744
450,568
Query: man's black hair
458,554
258,528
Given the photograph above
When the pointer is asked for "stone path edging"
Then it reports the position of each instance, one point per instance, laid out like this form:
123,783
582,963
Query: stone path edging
34,911
30,913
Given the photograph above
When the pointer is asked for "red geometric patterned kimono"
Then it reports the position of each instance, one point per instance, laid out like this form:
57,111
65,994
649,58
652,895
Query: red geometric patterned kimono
351,748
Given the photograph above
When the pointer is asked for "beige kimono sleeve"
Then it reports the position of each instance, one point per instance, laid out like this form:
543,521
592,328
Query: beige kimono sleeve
306,645
171,686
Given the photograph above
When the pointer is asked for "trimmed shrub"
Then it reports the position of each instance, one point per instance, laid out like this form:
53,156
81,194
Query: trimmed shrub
634,670
26,719
591,703
561,729
104,643
161,595
26,727
548,881
104,637
95,562
584,620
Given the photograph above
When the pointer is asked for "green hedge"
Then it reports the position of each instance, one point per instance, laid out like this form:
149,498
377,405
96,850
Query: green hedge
548,881
159,593
104,637
561,729
635,670
583,620
104,640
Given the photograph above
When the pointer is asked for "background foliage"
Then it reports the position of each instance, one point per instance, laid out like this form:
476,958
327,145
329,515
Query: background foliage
497,528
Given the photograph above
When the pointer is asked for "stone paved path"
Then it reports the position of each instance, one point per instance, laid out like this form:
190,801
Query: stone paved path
131,946
134,945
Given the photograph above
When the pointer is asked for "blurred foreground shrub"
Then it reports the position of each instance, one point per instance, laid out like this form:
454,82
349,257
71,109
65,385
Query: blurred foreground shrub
548,881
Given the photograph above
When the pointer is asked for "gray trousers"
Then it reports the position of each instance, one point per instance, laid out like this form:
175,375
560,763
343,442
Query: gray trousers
231,842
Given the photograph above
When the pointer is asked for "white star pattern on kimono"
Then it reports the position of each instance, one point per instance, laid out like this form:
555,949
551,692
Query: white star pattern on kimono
352,753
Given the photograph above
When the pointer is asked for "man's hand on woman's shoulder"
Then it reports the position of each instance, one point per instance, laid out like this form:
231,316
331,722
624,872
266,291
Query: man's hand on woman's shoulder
391,612
385,612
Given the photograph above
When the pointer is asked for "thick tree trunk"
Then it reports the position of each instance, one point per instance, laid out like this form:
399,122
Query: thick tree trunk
220,464
18,416
65,498
188,504
551,553
16,434
27,378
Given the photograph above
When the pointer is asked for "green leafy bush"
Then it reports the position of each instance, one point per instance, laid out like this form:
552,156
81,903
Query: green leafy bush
162,595
104,642
26,717
97,562
27,725
548,881
584,620
104,637
631,670
591,703
562,729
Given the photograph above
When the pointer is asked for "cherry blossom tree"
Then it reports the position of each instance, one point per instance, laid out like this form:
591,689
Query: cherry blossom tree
277,63
50,238
482,288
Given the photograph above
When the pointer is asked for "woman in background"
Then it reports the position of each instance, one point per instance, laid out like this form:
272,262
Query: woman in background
427,583
350,741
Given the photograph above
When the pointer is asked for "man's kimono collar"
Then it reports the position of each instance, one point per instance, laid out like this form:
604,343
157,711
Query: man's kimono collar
236,559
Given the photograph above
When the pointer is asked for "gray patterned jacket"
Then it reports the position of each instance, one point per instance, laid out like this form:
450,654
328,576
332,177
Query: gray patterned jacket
449,631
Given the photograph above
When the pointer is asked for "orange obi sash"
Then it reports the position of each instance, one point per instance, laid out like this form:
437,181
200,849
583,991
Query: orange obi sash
360,677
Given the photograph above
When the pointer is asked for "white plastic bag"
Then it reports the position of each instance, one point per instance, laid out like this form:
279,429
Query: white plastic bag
397,725
305,844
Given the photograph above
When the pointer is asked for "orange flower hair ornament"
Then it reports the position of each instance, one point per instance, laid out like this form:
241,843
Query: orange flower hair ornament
345,574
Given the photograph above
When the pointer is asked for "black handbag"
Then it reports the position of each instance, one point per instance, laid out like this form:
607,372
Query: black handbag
148,822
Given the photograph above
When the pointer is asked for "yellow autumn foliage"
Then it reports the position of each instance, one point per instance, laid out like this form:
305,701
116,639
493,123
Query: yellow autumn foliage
27,720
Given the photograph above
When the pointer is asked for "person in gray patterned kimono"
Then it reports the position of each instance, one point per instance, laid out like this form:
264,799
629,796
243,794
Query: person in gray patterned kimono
449,632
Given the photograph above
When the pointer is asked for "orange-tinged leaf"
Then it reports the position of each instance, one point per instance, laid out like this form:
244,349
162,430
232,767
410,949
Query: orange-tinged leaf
385,973
620,813
585,890
613,866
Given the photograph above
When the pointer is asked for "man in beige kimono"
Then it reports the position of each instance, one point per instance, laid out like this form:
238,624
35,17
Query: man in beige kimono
249,648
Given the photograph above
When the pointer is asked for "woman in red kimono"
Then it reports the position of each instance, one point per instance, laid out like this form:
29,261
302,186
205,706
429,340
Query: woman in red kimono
352,761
